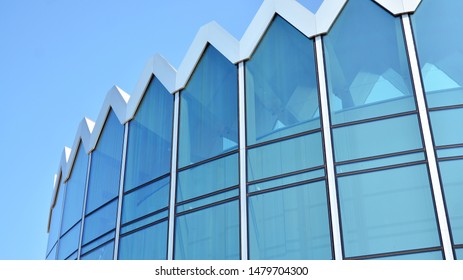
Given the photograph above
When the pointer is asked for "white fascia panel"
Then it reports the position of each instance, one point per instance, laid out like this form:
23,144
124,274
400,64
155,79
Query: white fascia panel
57,180
327,14
398,7
211,33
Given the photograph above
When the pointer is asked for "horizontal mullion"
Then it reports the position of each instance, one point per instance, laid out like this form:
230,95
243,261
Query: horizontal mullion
98,247
450,158
379,157
287,186
442,147
449,107
102,206
393,254
208,160
285,175
145,216
284,138
207,195
147,183
145,226
382,168
207,206
386,117
99,236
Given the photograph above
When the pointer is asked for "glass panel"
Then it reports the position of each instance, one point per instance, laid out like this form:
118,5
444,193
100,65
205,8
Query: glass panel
72,257
69,242
143,222
207,200
209,110
387,211
100,222
281,100
150,137
451,152
101,240
103,253
290,224
146,244
459,254
380,162
436,25
55,223
287,180
377,138
366,64
452,182
52,254
146,200
419,256
209,234
445,126
75,190
208,177
106,164
285,156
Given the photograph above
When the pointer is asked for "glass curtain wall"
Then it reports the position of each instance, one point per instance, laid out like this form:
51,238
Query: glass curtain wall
55,222
436,26
207,208
103,191
147,177
287,193
385,200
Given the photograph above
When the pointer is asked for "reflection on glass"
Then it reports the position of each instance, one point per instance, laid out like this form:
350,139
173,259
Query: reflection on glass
446,126
366,63
146,244
281,85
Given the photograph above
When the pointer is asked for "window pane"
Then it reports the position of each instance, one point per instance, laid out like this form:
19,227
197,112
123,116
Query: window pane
52,254
377,138
209,234
366,63
445,126
146,200
452,182
209,110
387,211
290,224
287,180
420,256
285,156
75,190
387,161
69,242
459,254
106,164
281,100
208,200
103,253
100,222
146,244
150,137
436,26
143,222
98,242
208,177
55,223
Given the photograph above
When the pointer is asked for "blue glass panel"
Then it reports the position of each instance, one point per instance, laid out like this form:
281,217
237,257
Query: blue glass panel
207,200
452,182
72,257
209,234
436,26
285,156
150,137
377,138
445,126
380,162
281,100
75,190
209,177
290,224
146,200
287,180
459,254
143,222
52,254
387,211
106,164
449,152
55,223
100,222
100,240
105,252
69,242
419,256
146,244
209,110
366,64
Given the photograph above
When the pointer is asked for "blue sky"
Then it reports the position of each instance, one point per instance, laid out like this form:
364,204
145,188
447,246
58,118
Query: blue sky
58,59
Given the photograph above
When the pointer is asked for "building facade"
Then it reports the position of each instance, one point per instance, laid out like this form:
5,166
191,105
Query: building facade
324,133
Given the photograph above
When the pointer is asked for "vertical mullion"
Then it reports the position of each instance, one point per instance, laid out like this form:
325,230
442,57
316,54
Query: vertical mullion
84,207
330,171
428,140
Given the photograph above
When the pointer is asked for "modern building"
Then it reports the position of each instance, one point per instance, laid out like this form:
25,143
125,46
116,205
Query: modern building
333,132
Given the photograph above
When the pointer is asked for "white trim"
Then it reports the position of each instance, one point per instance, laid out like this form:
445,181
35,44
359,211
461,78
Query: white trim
428,140
330,171
398,7
84,207
173,178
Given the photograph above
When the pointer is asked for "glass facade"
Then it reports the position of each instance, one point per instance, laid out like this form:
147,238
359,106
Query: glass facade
334,160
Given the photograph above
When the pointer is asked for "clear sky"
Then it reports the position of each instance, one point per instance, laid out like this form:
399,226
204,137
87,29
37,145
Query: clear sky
58,59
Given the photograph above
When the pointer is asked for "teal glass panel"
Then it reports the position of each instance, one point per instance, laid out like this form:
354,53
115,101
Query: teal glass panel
366,64
105,252
377,138
446,126
208,177
75,190
52,254
99,241
436,26
69,242
419,256
145,200
209,234
387,211
459,254
286,156
292,223
150,137
207,200
55,223
287,180
146,244
452,182
450,152
106,164
281,100
144,222
209,110
100,222
388,161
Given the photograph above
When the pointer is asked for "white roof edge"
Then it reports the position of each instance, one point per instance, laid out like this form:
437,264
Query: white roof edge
398,7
